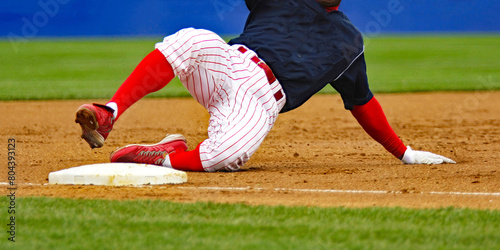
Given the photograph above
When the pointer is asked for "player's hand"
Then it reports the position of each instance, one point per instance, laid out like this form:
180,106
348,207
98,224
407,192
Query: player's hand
423,157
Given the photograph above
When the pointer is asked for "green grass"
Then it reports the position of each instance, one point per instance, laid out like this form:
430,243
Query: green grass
50,223
416,63
90,69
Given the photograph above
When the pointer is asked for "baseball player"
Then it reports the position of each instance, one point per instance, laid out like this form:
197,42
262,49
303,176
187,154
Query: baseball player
286,53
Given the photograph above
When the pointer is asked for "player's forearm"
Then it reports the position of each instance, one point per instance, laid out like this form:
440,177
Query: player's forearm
373,120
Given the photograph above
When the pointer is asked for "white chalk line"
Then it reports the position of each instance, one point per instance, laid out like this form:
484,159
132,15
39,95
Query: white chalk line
338,191
307,190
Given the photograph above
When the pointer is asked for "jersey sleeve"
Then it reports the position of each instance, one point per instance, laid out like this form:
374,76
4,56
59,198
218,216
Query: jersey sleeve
252,3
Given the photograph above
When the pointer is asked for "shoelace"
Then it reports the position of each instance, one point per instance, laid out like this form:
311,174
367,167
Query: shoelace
160,161
151,153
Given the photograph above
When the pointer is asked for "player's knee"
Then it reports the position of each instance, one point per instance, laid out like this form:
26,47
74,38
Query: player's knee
225,161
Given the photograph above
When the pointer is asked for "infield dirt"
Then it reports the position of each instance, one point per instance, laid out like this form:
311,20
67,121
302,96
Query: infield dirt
316,155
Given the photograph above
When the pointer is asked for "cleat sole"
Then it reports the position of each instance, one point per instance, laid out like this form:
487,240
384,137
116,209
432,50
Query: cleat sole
88,122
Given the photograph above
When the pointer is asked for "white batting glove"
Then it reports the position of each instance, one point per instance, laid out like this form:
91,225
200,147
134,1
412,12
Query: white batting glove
423,157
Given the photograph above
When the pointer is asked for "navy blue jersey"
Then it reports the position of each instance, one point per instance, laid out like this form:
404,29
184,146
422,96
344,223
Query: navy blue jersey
305,46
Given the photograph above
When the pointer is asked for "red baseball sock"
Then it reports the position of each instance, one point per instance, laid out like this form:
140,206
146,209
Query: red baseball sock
187,160
152,74
373,120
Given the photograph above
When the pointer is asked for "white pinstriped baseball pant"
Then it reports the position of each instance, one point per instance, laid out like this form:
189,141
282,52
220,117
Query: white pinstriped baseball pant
234,89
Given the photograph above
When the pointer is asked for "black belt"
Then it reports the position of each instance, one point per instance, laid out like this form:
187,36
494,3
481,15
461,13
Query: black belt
269,73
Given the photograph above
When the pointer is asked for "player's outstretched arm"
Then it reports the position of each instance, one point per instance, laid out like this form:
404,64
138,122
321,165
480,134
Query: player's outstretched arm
422,157
372,118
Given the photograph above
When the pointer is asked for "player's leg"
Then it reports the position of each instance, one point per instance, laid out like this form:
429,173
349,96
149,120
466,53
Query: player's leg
187,51
241,116
235,91
152,74
243,108
236,130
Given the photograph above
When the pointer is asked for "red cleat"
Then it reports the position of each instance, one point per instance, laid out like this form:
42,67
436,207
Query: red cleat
96,121
150,154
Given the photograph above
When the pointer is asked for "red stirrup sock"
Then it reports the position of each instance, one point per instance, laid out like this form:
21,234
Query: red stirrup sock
152,74
373,120
187,160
